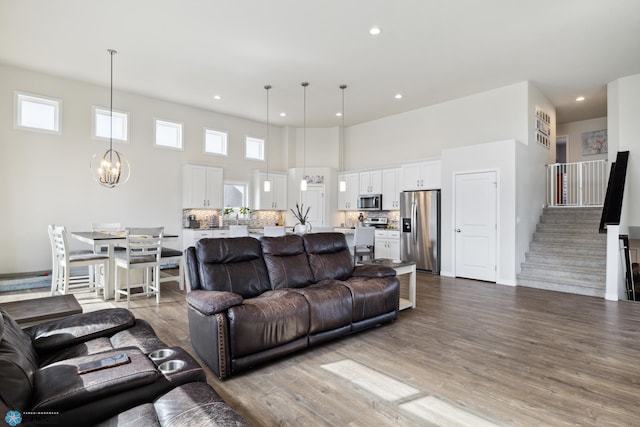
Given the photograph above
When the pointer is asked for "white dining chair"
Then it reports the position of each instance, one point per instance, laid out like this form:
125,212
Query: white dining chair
64,260
363,241
143,251
274,230
238,230
172,256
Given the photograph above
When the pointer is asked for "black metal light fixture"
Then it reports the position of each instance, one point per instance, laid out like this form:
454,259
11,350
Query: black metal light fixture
303,182
267,183
343,183
112,169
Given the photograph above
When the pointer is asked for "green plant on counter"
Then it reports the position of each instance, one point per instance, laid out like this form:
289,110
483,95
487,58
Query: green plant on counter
228,211
244,211
302,218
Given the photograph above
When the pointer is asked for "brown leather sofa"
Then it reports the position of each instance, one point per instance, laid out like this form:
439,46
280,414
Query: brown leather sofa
40,382
257,300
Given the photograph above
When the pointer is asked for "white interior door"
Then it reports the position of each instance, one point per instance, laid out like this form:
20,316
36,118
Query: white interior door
314,198
476,225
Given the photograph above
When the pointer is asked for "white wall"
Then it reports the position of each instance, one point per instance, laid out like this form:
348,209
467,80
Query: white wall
498,156
530,190
45,178
574,131
322,147
494,115
623,109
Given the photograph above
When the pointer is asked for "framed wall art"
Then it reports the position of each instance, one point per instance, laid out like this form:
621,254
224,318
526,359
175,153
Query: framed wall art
595,142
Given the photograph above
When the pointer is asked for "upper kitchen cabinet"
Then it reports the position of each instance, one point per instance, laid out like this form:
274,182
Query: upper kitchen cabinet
391,189
348,200
276,198
371,182
420,176
202,187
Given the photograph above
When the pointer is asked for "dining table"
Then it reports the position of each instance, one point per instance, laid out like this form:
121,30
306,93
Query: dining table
110,239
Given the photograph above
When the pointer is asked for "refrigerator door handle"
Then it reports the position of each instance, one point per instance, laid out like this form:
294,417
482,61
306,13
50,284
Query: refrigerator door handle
414,217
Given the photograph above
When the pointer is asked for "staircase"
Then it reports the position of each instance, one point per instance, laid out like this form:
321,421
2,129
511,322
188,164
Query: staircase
567,253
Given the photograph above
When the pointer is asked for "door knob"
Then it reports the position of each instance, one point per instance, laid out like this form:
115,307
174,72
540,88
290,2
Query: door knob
458,230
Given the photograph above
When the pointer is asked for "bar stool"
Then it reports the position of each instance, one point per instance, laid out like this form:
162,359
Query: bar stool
363,241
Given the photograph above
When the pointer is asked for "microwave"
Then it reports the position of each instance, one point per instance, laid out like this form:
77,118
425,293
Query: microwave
370,202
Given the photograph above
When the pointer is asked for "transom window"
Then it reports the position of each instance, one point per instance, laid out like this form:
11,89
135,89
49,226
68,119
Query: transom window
254,148
168,134
215,142
37,112
102,119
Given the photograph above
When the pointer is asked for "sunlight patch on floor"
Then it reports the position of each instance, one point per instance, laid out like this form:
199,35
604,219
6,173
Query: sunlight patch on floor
441,413
371,380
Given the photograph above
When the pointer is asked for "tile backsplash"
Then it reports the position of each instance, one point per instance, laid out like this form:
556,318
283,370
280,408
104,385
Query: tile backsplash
209,218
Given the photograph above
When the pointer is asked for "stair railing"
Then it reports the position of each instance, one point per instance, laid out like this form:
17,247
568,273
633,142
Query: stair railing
610,223
576,184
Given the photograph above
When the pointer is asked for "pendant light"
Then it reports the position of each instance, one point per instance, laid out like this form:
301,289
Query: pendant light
267,183
343,183
112,169
303,182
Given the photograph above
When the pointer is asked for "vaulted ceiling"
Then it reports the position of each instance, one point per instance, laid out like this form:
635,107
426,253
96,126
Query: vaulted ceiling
430,51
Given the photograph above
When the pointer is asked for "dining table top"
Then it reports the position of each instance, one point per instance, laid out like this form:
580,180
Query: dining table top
92,236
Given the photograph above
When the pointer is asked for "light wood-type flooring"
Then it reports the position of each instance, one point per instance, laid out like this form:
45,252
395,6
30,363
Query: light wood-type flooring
471,353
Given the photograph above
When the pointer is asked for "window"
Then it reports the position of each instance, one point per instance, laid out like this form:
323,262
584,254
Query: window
254,148
168,134
235,195
215,142
37,112
101,120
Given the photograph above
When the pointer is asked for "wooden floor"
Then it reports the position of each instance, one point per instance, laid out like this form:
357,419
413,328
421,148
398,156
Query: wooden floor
471,353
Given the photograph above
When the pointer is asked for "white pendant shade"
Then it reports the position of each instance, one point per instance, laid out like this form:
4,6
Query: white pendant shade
343,186
303,185
267,186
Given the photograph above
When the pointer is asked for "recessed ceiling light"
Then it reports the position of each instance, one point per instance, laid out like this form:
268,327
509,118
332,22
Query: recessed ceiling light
374,31
338,114
217,97
580,98
283,114
398,96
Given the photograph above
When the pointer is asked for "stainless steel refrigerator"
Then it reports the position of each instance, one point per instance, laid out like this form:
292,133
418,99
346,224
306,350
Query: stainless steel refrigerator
420,229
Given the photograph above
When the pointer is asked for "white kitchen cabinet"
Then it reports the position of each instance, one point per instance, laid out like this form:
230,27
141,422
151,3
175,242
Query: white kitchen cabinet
387,244
421,176
370,182
348,200
191,236
202,187
221,233
276,199
391,189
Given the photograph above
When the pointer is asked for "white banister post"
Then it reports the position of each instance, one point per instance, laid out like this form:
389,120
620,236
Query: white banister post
613,263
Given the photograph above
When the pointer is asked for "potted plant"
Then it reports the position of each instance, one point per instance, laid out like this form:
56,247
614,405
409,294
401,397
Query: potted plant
244,211
303,226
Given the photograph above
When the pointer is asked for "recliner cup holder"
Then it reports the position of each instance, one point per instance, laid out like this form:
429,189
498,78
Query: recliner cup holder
161,354
171,366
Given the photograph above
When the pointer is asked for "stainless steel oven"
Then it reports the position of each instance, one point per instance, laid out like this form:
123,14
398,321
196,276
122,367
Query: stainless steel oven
370,202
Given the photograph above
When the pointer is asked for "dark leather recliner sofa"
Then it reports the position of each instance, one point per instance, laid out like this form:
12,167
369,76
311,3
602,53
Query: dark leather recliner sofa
40,383
256,300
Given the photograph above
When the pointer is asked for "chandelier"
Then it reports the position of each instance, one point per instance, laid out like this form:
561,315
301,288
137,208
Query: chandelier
111,169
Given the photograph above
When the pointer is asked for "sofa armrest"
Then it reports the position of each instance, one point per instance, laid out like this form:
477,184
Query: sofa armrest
373,270
212,302
78,328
